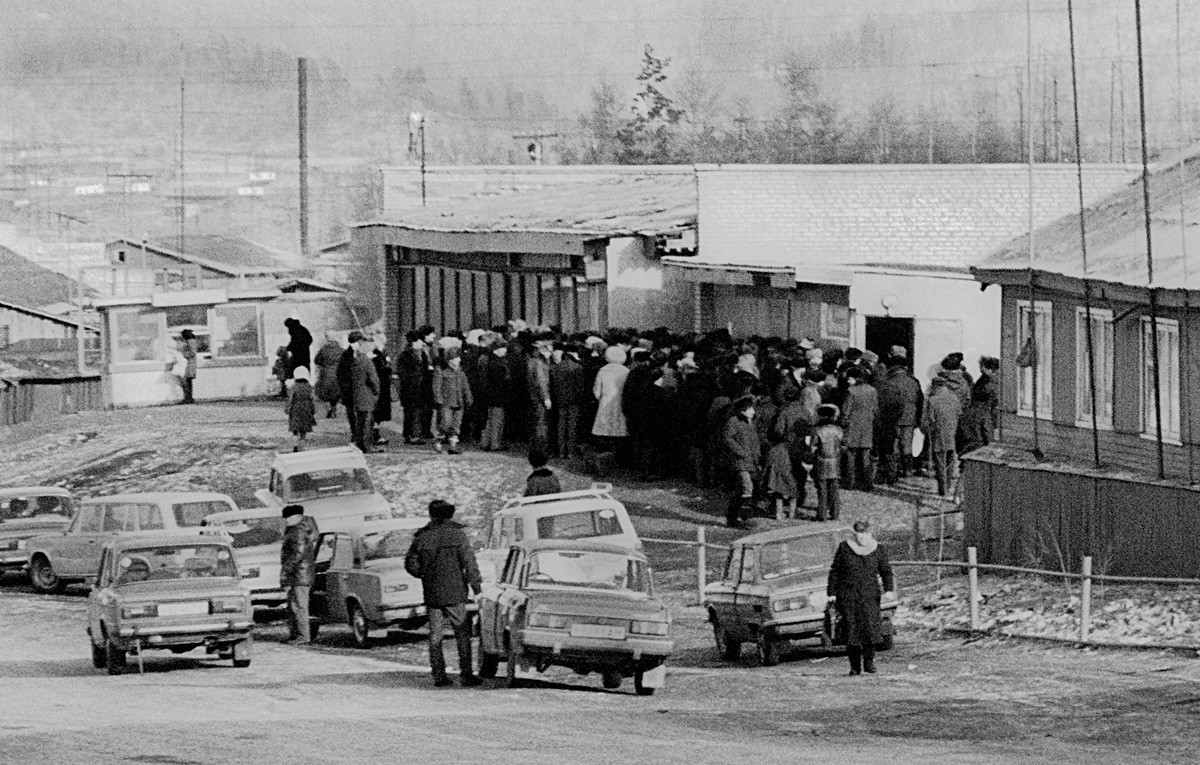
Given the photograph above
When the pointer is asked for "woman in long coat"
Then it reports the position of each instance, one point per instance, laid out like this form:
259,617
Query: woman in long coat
327,359
383,404
610,421
854,586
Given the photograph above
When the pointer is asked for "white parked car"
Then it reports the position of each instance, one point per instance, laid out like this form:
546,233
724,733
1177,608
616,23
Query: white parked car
332,485
257,535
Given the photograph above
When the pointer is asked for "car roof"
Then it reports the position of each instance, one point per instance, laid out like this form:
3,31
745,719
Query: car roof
165,540
24,491
319,458
563,502
386,524
581,545
243,513
790,532
162,497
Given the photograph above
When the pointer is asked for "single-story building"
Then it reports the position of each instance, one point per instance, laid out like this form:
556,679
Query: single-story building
1140,517
28,292
206,261
867,255
580,255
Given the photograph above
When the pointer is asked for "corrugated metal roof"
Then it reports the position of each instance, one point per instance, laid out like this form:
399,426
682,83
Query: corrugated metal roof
922,216
228,254
647,205
1116,235
28,285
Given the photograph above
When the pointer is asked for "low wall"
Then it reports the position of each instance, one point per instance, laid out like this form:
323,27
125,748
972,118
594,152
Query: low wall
31,400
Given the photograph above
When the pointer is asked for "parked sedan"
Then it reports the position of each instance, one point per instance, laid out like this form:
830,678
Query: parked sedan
589,606
173,592
73,554
360,579
333,485
773,592
27,512
257,534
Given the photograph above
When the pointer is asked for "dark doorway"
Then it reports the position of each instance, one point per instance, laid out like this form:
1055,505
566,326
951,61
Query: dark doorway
885,331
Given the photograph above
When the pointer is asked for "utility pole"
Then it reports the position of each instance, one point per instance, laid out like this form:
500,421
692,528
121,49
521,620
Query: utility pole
419,119
182,203
302,112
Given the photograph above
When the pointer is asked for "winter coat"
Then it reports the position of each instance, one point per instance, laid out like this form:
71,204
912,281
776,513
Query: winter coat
942,410
451,388
327,360
298,553
860,414
854,580
301,408
568,386
959,382
792,424
345,377
542,481
365,383
900,399
827,452
383,371
742,446
537,371
298,347
496,390
610,417
988,392
188,351
414,369
975,427
780,478
442,558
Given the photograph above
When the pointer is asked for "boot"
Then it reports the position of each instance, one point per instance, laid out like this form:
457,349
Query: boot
454,445
791,509
732,512
746,509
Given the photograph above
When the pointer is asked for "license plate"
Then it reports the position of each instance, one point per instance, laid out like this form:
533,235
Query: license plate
183,609
605,631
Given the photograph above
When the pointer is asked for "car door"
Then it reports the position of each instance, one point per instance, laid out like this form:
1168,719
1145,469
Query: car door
493,616
99,598
317,602
749,600
82,543
337,578
721,594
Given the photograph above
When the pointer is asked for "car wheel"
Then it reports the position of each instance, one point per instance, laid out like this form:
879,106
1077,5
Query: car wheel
358,626
611,679
114,658
489,663
638,684
241,653
99,656
42,575
768,650
727,647
512,664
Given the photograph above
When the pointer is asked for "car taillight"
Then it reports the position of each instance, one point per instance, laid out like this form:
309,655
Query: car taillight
145,609
543,620
226,605
396,588
648,628
790,604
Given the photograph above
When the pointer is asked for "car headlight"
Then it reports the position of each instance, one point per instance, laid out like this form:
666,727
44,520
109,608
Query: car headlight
145,609
227,605
790,604
648,628
396,588
548,621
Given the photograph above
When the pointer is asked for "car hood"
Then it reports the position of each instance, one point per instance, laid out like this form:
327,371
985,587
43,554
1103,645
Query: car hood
259,555
27,527
346,509
580,601
179,589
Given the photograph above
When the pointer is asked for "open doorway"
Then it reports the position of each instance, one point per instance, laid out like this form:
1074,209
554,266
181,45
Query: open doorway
885,331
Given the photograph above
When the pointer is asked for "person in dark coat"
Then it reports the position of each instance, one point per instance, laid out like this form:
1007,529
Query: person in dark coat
301,408
415,372
345,381
383,404
327,388
297,558
365,384
537,372
743,451
989,392
860,417
900,401
442,558
542,480
188,348
859,565
451,397
569,392
975,425
940,424
494,397
827,462
790,431
299,345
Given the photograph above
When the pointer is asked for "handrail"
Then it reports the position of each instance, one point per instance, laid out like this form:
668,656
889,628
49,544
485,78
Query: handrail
1046,572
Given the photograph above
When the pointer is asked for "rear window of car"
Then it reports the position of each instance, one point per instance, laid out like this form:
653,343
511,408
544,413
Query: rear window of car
14,508
193,513
151,564
579,525
793,556
328,483
385,545
254,532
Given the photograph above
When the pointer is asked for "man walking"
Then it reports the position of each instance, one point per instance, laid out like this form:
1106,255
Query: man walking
569,392
442,558
538,371
297,557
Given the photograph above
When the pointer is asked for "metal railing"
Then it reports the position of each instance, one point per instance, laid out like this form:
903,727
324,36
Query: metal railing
702,546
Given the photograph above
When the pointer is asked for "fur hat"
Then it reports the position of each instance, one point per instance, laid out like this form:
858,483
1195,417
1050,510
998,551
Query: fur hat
440,509
290,510
828,411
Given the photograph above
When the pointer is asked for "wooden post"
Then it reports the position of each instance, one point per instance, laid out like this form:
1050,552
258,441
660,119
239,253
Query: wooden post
973,585
701,563
1085,601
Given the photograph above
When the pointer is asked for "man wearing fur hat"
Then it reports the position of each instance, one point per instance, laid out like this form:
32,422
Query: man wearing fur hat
297,556
744,452
827,462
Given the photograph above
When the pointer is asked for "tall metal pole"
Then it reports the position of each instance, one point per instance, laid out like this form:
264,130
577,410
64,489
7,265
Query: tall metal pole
302,112
182,134
1185,336
1033,322
421,135
1158,435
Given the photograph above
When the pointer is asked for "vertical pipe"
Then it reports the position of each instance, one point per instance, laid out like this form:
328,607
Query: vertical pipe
302,113
1033,323
421,133
1085,601
973,586
701,564
1185,339
182,133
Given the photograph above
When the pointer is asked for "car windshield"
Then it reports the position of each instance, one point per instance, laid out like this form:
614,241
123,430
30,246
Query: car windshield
791,556
253,532
385,544
192,513
582,524
155,564
597,570
328,483
15,508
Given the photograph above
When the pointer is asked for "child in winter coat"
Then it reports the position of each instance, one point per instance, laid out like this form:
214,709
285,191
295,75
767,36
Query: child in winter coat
542,480
451,395
279,370
301,407
827,462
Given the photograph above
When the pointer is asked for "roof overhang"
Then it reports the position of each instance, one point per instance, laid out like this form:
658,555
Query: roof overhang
1102,289
781,276
542,242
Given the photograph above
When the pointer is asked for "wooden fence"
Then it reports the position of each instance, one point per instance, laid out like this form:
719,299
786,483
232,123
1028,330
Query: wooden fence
28,400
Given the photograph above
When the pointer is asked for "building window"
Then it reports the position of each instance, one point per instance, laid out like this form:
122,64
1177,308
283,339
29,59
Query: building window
139,336
1168,378
193,317
235,331
835,322
1102,344
1043,346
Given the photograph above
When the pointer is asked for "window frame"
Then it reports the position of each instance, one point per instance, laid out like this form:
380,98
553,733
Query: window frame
827,323
1040,308
1172,394
159,348
1105,385
258,353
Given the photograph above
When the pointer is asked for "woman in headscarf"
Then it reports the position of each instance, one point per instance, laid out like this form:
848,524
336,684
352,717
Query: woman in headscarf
859,565
610,426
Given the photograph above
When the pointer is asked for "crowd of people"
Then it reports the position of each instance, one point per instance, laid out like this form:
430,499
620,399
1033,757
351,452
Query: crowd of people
762,414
